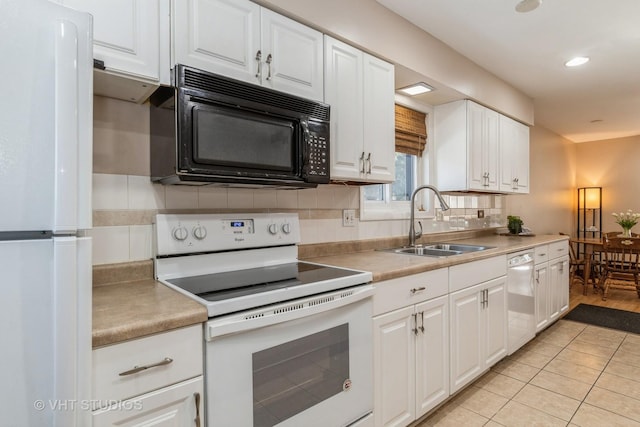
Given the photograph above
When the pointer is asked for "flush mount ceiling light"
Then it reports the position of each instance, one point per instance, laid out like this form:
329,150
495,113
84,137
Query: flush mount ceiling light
528,5
578,60
416,89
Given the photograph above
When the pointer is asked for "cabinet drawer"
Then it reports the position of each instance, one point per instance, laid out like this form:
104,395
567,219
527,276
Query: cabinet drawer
471,273
182,346
541,254
558,249
405,291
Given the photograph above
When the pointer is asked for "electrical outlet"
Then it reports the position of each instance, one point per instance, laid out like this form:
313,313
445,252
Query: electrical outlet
348,218
480,213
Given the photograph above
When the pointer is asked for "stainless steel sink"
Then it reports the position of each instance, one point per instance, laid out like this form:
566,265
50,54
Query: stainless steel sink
438,250
425,251
458,247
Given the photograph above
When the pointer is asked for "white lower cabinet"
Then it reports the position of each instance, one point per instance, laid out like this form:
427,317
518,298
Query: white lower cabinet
176,405
411,347
551,281
478,330
155,380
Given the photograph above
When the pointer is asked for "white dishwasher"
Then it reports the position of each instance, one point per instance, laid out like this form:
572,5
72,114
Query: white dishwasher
520,299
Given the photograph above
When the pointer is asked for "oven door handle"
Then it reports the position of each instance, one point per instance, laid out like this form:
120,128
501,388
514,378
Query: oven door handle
285,312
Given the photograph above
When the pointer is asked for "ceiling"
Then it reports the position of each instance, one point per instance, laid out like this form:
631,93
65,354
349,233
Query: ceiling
599,100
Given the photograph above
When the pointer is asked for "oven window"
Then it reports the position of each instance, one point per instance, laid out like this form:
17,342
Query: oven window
235,138
292,377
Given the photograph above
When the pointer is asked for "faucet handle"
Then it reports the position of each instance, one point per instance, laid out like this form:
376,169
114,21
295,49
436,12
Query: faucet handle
418,233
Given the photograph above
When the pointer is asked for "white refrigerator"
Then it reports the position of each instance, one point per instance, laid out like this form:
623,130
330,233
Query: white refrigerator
45,212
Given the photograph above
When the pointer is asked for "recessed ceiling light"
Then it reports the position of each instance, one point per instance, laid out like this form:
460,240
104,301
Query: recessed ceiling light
578,60
416,89
528,5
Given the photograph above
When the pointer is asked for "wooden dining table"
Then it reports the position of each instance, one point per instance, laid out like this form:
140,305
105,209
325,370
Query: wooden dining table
591,245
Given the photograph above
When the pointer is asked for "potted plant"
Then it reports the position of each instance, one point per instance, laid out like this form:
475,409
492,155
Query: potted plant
514,224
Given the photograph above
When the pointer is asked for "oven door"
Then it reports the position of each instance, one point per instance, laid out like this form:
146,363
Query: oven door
310,363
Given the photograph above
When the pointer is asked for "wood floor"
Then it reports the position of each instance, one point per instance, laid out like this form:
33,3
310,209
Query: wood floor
621,299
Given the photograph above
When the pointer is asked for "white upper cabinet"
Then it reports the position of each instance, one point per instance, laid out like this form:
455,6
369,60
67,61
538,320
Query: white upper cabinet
478,149
126,38
466,139
242,40
514,156
360,90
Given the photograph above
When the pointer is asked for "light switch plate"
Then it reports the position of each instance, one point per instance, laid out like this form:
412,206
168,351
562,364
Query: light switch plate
348,218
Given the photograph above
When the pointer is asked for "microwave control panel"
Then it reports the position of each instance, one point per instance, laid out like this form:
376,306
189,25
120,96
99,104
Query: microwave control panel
317,168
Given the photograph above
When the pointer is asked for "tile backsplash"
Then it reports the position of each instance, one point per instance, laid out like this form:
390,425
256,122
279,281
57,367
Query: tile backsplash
124,207
125,201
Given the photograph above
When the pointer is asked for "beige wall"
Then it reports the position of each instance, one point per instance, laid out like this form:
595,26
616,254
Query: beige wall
370,26
613,165
548,208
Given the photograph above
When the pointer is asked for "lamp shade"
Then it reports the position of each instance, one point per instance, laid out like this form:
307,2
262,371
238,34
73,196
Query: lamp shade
592,198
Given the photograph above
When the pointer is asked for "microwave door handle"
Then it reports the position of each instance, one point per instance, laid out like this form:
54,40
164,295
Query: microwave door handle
306,142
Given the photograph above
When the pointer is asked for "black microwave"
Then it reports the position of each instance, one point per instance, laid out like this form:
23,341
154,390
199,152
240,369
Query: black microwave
210,129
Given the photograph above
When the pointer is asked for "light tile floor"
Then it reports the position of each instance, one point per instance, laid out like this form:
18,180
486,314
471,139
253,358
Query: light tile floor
571,374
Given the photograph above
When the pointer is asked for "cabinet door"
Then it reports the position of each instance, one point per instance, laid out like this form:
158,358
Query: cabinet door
558,287
490,148
394,367
466,339
561,285
514,156
125,34
475,147
541,283
432,354
495,313
177,405
379,120
552,292
220,36
292,56
508,154
343,91
521,160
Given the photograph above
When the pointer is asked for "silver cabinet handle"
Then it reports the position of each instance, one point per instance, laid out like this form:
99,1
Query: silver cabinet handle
259,59
414,290
415,323
197,399
362,162
269,59
369,162
422,322
137,369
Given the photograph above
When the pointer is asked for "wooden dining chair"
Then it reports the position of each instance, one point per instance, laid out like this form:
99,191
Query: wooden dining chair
576,267
619,264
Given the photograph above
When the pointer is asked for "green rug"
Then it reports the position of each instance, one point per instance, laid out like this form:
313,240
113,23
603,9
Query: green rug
622,320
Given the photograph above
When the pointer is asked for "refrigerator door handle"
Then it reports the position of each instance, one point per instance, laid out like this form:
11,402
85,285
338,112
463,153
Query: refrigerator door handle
66,127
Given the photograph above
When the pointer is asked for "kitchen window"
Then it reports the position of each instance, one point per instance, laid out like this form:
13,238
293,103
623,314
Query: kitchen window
412,168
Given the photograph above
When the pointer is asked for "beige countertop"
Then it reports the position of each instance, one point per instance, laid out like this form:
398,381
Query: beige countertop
127,310
387,265
136,308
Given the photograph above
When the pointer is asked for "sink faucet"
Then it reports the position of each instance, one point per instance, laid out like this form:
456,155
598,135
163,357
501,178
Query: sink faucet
413,235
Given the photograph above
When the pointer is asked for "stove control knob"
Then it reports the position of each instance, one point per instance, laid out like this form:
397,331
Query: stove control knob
200,232
180,233
273,229
286,228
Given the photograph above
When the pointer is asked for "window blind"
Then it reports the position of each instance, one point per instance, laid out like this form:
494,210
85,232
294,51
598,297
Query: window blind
411,131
